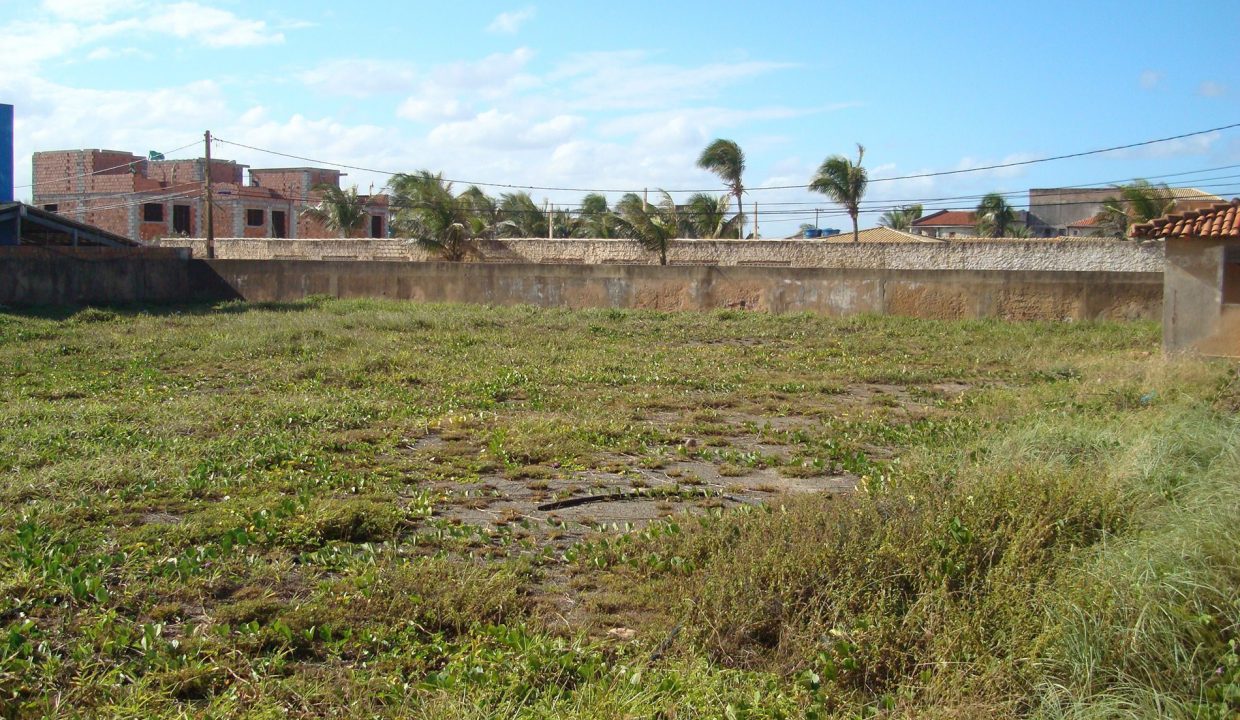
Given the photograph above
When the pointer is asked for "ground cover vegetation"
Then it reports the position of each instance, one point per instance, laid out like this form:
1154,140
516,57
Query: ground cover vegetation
380,509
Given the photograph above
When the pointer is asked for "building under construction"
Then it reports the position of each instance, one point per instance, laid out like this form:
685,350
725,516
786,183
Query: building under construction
145,198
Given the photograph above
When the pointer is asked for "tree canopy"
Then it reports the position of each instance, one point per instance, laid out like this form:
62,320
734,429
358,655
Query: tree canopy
844,182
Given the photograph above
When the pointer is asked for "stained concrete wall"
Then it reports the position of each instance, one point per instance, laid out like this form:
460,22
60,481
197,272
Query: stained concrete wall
1194,314
830,291
55,276
1035,255
101,276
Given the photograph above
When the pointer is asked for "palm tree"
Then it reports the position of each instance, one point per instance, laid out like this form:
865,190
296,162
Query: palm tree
1137,202
521,217
651,225
595,219
706,216
429,213
483,207
844,182
901,218
725,159
994,217
341,211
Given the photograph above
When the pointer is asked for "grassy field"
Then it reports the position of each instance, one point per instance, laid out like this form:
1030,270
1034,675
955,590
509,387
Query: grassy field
373,509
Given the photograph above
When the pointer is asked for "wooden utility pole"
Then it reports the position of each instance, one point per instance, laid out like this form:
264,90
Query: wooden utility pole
815,218
550,224
210,200
755,219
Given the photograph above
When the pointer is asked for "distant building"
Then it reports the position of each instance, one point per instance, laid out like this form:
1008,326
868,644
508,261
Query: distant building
1053,212
1064,209
948,224
144,199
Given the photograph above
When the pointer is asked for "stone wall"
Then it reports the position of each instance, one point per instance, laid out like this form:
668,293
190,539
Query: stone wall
1075,255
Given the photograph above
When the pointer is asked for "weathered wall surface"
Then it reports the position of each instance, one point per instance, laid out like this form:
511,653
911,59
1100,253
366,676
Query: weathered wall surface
1092,255
1195,316
831,291
98,276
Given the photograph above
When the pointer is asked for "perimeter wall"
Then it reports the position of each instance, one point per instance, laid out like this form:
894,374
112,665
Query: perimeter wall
943,294
1040,255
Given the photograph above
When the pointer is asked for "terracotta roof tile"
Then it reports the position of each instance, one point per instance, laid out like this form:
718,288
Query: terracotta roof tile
1220,221
948,217
881,235
1090,221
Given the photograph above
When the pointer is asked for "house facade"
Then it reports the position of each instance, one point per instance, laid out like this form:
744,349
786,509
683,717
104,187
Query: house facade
144,199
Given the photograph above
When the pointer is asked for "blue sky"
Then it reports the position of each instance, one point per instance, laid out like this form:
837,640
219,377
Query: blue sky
625,95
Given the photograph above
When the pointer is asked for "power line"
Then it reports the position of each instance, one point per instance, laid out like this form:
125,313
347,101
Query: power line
915,176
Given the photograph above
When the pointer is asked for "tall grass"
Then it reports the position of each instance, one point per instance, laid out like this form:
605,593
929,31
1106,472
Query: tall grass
1081,559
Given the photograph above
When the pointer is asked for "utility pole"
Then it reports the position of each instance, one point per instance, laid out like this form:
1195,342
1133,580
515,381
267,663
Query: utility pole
755,219
547,209
644,191
815,218
210,200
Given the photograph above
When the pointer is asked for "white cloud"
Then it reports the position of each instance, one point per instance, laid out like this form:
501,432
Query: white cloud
357,77
501,130
1150,79
451,89
89,10
1209,88
211,26
108,53
627,79
507,23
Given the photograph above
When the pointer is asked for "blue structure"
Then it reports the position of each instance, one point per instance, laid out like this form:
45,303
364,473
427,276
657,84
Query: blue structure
10,228
6,153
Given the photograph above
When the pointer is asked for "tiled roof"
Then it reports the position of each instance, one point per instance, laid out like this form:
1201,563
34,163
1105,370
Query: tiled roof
881,235
1219,221
1090,221
1193,194
952,218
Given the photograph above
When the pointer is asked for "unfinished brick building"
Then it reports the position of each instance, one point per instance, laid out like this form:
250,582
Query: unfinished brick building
145,199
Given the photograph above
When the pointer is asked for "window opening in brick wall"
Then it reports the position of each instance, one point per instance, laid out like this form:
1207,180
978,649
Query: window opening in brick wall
52,207
1231,275
180,219
279,225
152,212
376,226
254,218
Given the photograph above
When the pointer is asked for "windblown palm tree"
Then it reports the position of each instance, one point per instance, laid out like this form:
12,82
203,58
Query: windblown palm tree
651,225
994,217
483,207
341,211
1137,202
726,159
901,218
595,219
521,217
429,213
844,182
706,216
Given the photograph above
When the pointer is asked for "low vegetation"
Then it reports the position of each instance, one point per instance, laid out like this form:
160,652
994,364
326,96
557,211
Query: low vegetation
378,509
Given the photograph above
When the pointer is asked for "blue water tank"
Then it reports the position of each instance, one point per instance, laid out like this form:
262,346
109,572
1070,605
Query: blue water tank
812,233
828,232
6,153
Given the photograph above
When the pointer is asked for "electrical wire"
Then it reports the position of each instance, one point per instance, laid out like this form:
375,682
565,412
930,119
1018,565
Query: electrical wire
997,166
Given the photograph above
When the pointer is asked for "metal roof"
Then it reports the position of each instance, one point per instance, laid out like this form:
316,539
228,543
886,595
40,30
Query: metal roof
22,224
